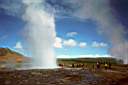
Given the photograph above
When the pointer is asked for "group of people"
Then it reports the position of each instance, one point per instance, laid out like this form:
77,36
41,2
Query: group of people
106,65
77,65
81,65
61,65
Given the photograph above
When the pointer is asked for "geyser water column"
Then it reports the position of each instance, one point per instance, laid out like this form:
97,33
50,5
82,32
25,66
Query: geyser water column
41,34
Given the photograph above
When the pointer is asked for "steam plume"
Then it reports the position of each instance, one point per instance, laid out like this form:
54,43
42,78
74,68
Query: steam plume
101,12
41,33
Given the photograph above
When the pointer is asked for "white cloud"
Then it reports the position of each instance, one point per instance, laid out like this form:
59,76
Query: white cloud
82,44
84,56
99,44
19,48
58,42
69,43
18,45
71,34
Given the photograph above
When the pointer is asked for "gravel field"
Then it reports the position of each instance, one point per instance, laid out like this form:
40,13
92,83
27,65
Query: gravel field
67,76
49,77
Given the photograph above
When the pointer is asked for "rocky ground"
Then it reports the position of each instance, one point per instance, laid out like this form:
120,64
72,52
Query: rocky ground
49,77
54,77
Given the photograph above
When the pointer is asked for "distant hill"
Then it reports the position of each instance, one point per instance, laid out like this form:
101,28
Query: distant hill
8,55
90,60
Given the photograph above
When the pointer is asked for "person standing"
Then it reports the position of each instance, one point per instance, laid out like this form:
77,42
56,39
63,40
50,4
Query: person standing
106,66
98,65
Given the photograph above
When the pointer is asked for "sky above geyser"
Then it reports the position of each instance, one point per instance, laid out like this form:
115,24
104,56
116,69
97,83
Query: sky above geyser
84,28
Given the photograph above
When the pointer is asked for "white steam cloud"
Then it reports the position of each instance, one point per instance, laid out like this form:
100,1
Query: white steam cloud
100,11
41,34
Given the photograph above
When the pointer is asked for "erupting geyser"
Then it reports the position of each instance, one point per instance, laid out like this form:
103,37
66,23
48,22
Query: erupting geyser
41,34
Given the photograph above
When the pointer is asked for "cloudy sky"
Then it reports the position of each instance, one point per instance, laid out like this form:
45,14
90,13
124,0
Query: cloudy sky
84,28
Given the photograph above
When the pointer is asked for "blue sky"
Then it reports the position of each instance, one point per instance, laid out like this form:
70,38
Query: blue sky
79,33
12,29
86,32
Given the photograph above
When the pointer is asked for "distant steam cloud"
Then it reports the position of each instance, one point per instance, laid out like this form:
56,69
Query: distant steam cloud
100,11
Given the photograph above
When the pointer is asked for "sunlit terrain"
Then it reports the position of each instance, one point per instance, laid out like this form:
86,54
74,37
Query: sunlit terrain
63,42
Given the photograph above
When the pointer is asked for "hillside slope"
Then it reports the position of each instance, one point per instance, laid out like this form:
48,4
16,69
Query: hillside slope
7,55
